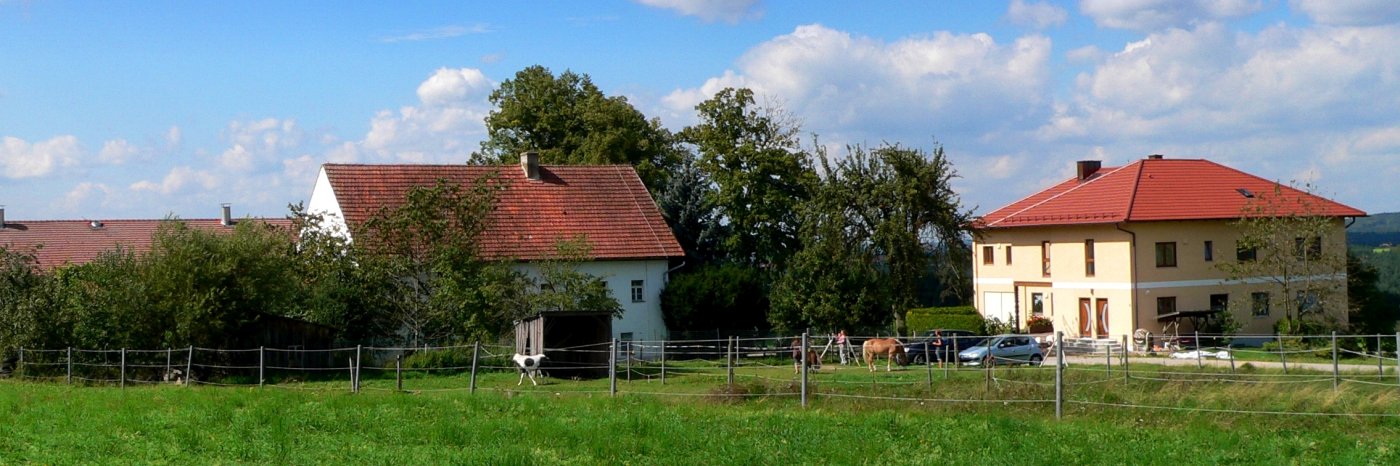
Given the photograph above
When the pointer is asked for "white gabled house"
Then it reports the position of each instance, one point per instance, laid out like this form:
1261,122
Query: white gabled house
631,245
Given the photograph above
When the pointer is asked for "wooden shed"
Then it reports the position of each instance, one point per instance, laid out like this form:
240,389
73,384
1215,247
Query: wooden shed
575,344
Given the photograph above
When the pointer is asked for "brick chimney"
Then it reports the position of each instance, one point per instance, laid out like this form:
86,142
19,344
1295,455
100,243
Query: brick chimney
530,162
1087,168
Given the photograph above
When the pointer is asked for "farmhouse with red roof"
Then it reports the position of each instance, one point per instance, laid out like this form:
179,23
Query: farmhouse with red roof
1118,249
56,243
539,206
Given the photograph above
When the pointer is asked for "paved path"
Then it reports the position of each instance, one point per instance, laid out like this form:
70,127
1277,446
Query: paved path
1350,367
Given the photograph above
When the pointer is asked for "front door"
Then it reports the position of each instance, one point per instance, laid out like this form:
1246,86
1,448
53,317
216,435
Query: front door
1086,318
1101,308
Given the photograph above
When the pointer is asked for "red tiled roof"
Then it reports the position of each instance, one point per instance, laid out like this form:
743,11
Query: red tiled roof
60,242
607,204
1156,190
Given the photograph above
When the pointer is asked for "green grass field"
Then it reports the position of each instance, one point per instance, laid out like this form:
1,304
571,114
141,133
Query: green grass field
901,417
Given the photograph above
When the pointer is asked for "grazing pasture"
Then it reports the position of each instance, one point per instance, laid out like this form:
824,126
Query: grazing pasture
912,415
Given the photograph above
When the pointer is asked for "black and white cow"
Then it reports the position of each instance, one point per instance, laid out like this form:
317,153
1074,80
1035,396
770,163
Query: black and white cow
528,365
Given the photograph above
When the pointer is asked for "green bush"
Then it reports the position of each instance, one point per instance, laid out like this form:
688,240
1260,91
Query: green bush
954,317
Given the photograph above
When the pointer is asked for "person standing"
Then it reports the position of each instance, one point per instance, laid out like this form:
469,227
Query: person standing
935,346
841,345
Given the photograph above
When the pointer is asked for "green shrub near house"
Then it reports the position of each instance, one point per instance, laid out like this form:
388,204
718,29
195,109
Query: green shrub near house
954,317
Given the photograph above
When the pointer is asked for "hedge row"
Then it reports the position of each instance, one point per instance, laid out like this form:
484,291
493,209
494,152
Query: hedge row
954,317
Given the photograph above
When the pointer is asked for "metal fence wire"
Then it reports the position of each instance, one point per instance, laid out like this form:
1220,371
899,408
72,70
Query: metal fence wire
737,366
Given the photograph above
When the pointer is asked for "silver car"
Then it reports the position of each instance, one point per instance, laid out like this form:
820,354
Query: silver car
1006,349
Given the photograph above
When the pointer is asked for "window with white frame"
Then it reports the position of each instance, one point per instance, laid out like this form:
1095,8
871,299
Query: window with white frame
638,288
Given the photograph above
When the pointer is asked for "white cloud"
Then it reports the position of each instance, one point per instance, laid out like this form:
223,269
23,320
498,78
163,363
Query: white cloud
1350,12
1039,15
179,179
1149,15
83,193
731,11
446,127
173,138
21,159
854,88
1085,54
1209,83
117,151
445,32
260,145
454,86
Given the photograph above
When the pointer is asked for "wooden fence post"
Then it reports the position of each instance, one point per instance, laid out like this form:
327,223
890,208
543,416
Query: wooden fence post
803,358
729,361
1281,354
1125,358
476,350
398,371
612,368
1336,374
1198,350
189,366
262,355
123,372
663,362
70,365
1059,374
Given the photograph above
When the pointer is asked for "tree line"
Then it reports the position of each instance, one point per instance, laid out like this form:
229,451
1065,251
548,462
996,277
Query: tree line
778,235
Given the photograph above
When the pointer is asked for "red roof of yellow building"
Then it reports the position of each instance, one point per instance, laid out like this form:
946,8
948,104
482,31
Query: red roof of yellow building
1159,189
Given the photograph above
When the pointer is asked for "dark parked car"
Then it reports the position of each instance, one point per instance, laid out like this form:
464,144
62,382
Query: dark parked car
920,351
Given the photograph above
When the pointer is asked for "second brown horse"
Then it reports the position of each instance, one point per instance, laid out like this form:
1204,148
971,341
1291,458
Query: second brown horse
888,347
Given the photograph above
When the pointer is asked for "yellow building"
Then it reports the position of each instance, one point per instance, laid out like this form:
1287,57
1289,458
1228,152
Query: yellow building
1141,246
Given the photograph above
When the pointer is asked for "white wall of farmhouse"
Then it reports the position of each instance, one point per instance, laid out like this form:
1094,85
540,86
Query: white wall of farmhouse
642,319
324,202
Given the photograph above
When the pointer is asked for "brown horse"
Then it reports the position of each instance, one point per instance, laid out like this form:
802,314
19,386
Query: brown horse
888,347
812,360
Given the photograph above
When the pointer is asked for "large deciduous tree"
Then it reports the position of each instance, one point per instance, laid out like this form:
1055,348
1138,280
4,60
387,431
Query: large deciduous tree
570,122
760,172
427,251
1287,242
879,221
688,204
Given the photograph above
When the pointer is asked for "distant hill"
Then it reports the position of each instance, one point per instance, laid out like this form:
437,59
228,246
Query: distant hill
1376,229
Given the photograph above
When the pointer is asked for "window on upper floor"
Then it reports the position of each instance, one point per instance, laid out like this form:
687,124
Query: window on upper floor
1045,258
988,255
1210,251
1008,254
638,291
1166,254
1243,254
1307,248
1088,258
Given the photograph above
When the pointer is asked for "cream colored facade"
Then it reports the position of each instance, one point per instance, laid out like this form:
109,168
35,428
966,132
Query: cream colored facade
1123,291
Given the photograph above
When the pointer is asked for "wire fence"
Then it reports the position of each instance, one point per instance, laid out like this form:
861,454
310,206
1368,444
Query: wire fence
780,367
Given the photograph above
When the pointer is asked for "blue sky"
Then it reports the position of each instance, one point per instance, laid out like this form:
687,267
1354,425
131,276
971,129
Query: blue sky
144,109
